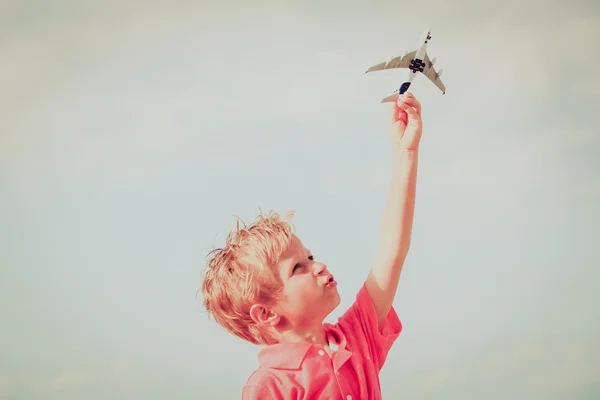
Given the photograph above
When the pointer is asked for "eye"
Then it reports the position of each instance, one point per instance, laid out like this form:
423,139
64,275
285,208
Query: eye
296,267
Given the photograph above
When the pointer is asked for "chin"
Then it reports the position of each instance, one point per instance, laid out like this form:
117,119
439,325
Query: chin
335,302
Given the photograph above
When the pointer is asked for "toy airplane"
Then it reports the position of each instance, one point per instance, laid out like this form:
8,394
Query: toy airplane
416,61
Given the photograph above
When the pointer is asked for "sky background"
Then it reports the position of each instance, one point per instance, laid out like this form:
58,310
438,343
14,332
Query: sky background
132,134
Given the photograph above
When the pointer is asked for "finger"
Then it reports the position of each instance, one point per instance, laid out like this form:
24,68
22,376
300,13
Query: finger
409,94
412,113
395,112
402,116
406,95
398,114
411,101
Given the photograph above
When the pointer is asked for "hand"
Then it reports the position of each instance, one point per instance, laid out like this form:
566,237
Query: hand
406,124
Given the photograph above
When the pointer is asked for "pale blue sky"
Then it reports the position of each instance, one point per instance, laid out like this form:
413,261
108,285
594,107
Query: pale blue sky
131,134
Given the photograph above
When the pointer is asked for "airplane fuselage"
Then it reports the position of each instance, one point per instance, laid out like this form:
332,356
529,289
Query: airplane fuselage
415,60
418,63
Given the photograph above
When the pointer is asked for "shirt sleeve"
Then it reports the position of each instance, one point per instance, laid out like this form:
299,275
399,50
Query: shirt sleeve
360,323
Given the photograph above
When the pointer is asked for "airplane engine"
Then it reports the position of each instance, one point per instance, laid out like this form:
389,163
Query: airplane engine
440,72
433,60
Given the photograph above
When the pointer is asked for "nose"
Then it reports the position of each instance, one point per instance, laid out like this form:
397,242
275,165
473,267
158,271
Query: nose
319,268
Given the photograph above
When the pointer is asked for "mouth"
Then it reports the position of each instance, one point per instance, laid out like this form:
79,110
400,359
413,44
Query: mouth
330,281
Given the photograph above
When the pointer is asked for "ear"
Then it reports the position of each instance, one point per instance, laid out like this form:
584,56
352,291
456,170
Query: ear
263,315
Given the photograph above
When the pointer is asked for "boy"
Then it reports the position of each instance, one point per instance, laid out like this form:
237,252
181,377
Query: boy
266,287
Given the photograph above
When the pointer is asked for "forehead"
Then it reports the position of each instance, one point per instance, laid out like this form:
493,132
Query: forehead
294,248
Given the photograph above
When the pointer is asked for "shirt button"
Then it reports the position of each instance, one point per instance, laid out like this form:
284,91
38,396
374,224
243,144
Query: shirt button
321,353
349,397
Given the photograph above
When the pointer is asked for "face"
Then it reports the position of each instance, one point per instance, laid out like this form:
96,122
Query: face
309,290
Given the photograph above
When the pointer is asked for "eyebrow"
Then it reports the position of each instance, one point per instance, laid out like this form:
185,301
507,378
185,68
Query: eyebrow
295,262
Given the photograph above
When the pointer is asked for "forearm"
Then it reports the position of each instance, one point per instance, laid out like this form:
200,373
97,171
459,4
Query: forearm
396,226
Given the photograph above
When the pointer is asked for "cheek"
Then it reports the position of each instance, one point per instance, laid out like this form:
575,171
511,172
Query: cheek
298,288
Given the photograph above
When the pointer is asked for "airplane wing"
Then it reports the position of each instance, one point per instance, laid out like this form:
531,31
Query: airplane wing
396,62
431,73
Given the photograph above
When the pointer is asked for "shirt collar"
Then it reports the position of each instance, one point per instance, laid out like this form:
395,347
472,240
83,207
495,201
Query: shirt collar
335,336
292,355
283,355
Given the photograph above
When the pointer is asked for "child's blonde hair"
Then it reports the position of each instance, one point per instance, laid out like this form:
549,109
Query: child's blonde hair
241,274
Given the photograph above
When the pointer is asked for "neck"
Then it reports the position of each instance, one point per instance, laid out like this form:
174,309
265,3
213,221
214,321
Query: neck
312,335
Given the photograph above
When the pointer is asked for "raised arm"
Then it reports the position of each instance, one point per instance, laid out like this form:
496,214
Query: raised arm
396,227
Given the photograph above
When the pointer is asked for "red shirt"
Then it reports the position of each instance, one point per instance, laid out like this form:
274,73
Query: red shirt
306,371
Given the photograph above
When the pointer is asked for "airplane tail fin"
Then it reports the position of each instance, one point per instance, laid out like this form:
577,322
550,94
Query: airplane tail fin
391,98
394,96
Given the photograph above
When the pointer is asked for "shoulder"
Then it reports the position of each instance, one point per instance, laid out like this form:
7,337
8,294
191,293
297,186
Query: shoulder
362,311
361,328
262,384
